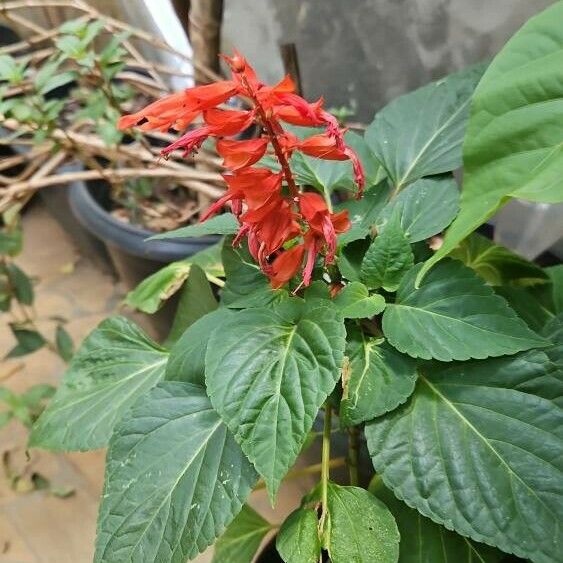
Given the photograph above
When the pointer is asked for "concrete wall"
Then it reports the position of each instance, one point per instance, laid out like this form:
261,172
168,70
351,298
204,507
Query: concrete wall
362,53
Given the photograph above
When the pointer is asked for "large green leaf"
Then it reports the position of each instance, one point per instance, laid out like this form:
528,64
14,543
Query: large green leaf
533,304
555,274
242,538
187,356
424,541
388,258
425,208
514,137
153,291
553,331
246,284
268,371
361,528
478,448
496,264
454,315
420,134
224,224
379,380
298,539
373,170
175,478
196,300
363,213
114,365
355,302
350,259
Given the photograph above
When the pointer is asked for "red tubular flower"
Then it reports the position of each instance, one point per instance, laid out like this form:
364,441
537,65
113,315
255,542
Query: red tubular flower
323,225
322,146
253,186
286,265
228,122
189,142
170,112
211,95
240,154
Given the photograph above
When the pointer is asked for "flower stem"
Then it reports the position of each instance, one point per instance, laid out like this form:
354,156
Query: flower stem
353,454
325,468
270,131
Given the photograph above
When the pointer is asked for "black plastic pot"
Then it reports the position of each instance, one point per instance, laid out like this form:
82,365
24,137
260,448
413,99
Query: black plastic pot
133,256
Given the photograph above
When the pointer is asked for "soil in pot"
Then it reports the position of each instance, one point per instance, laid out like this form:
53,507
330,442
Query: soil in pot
133,256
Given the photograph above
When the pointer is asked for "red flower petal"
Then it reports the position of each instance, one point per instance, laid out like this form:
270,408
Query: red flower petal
240,154
286,265
227,122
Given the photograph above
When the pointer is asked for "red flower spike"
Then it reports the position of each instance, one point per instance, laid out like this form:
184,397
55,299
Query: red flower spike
270,216
240,154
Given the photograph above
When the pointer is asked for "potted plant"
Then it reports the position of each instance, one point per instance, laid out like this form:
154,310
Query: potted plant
62,103
359,311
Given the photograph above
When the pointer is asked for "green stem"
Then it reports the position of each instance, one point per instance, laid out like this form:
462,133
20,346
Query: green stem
325,467
353,455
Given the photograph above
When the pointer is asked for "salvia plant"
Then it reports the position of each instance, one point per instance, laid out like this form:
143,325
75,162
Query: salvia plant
354,314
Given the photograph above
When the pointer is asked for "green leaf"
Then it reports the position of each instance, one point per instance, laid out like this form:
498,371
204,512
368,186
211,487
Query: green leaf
28,341
57,80
175,478
324,175
496,264
420,134
224,224
242,538
187,356
361,527
373,170
478,448
115,364
196,300
555,274
63,341
379,380
9,69
388,258
22,284
363,213
268,371
425,208
553,331
153,291
355,302
513,144
246,285
423,541
69,45
350,259
298,539
532,304
11,241
454,316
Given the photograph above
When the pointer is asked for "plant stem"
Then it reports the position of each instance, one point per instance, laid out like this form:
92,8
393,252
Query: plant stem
353,454
325,468
310,469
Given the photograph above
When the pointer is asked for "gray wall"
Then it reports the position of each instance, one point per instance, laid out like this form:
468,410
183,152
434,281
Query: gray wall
362,53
